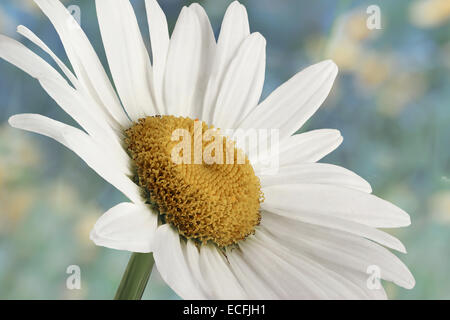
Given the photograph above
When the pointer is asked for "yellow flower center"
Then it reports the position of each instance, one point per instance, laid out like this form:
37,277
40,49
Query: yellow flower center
199,181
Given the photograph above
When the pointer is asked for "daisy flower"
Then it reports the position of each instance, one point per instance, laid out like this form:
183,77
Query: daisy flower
216,231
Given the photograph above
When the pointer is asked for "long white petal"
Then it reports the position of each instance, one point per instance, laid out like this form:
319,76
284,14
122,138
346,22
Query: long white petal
242,84
360,279
33,38
316,173
85,62
192,254
74,104
235,29
216,272
171,260
336,247
209,45
306,147
255,285
284,278
127,226
337,202
84,146
309,146
159,37
189,53
69,99
331,284
358,229
294,102
128,58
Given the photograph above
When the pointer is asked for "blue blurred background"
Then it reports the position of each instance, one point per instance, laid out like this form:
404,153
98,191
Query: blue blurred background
390,101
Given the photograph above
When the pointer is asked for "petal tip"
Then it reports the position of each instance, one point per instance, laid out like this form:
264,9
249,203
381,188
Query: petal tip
13,121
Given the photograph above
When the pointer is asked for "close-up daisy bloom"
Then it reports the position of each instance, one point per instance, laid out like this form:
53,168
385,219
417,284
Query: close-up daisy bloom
232,230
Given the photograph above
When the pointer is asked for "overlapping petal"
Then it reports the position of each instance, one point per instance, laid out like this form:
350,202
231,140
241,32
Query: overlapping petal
127,57
127,226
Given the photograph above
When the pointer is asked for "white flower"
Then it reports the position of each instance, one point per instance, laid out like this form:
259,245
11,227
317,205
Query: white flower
318,233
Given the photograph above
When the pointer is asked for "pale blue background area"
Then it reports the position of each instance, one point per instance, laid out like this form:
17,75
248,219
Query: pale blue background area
390,101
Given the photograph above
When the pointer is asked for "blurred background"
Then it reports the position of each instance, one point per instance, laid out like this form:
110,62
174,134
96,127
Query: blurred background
390,101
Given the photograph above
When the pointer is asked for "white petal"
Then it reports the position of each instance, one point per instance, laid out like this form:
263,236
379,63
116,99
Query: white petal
302,148
327,283
243,82
127,56
316,173
32,37
360,279
255,284
220,281
171,260
336,202
57,87
209,50
294,102
309,146
235,29
373,234
287,281
159,37
84,146
82,109
85,62
127,226
187,65
329,246
17,54
193,261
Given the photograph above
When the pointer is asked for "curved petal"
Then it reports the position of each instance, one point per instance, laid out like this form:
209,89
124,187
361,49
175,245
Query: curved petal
328,284
212,272
209,45
373,234
322,280
333,247
255,284
27,33
302,148
309,146
76,105
235,29
17,54
336,202
83,145
127,226
295,101
159,38
171,260
187,65
85,62
359,279
69,99
127,56
242,84
219,280
285,279
316,173
192,254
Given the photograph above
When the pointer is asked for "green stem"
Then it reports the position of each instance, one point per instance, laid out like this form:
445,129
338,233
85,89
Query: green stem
136,276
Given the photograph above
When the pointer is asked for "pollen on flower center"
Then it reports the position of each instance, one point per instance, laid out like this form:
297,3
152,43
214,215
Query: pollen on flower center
206,201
